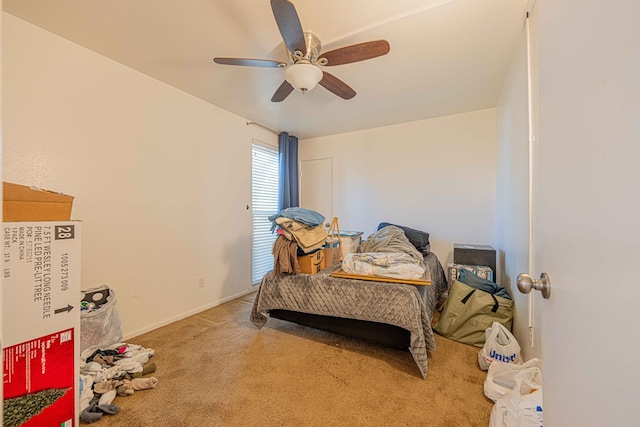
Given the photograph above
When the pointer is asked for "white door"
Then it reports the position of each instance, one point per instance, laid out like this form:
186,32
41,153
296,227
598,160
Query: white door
587,210
316,186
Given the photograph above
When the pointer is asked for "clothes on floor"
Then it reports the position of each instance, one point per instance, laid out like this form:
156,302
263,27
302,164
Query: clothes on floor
109,372
94,411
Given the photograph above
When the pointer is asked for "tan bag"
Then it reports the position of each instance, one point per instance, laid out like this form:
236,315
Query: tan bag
470,311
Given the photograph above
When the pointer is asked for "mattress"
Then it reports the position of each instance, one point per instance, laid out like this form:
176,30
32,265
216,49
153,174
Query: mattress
406,306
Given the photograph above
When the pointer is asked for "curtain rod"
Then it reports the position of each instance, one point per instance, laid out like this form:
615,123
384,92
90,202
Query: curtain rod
263,127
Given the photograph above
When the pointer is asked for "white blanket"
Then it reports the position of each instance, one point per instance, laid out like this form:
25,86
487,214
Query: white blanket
396,265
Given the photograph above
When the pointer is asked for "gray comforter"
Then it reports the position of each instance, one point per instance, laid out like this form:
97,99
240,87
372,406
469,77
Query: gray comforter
390,239
407,306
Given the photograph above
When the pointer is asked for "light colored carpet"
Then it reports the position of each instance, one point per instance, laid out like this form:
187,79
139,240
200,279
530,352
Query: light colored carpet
217,369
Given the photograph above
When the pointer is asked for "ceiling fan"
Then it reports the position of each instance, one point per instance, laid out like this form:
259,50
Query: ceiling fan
304,73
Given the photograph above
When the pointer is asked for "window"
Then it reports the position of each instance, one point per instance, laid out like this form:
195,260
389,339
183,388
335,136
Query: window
264,202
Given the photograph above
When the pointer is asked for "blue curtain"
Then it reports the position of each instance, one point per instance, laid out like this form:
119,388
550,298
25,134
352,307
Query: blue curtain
288,163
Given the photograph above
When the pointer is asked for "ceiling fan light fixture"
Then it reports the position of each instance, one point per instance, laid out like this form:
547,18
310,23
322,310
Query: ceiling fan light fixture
303,77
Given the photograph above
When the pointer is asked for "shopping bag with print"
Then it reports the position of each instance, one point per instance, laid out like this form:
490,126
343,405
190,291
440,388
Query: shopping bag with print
499,344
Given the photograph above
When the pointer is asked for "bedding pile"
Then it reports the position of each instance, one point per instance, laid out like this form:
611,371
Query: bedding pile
418,238
384,264
390,239
386,253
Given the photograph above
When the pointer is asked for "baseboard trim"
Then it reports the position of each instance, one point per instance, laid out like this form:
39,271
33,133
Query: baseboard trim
144,330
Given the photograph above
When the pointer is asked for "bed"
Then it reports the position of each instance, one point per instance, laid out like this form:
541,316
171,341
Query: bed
391,314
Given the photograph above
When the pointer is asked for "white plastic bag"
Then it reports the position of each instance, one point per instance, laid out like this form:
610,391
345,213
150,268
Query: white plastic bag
501,345
501,378
521,407
99,323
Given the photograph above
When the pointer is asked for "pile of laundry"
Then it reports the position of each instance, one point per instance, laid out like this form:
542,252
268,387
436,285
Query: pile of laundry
386,253
118,370
300,232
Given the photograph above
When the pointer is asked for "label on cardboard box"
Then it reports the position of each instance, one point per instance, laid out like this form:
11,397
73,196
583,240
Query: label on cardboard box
41,276
41,318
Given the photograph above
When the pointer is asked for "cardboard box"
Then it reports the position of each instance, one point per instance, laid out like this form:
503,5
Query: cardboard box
312,263
481,271
332,252
23,203
41,317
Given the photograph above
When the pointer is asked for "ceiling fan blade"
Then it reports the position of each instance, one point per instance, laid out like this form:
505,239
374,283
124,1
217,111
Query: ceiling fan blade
282,92
250,62
289,25
337,86
356,52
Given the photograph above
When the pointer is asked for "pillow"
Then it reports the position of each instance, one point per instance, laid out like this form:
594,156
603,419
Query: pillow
469,278
419,239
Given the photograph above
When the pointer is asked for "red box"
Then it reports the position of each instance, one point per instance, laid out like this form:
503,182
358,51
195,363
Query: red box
41,372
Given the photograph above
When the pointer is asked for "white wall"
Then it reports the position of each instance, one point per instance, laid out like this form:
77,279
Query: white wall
513,190
161,179
435,175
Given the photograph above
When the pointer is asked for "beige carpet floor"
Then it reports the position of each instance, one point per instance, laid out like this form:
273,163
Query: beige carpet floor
217,369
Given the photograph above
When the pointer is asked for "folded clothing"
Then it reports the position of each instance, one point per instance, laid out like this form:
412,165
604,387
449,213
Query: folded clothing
308,237
306,216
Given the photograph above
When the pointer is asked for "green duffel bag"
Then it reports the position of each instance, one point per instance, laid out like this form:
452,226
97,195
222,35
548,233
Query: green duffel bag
470,311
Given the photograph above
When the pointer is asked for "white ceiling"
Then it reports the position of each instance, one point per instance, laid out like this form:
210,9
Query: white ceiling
447,56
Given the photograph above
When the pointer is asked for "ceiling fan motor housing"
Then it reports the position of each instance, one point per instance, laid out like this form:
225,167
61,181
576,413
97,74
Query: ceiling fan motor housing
313,50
